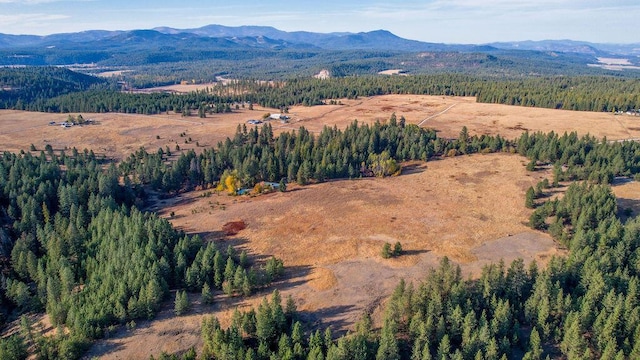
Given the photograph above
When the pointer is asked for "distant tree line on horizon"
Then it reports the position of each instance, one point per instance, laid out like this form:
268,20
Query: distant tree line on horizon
71,92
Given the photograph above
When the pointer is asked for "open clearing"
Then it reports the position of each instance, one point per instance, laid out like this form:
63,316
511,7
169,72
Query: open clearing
617,64
392,72
177,88
628,195
117,135
469,208
329,235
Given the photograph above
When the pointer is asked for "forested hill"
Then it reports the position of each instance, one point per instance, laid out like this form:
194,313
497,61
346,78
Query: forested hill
268,53
21,86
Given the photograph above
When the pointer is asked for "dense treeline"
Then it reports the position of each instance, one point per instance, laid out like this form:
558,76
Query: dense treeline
75,244
581,158
585,93
20,87
255,155
101,101
315,91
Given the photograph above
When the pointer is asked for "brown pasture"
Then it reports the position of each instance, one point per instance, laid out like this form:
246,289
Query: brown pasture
469,208
178,88
117,135
330,235
628,195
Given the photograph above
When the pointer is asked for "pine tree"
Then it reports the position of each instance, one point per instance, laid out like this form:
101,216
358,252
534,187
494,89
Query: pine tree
229,270
265,326
397,249
207,294
535,346
386,251
290,309
388,348
573,343
181,303
246,285
530,197
444,349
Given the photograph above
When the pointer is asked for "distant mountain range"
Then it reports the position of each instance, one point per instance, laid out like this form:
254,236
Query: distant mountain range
570,46
226,37
372,40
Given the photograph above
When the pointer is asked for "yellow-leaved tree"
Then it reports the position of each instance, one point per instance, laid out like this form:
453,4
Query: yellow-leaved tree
383,165
229,182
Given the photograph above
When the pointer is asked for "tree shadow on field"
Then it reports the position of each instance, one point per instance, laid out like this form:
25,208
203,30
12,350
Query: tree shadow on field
293,276
105,347
210,236
223,242
413,168
415,252
628,208
331,316
160,203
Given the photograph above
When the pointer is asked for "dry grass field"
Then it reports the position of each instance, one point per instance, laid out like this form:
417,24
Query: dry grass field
330,235
117,135
628,194
469,208
177,88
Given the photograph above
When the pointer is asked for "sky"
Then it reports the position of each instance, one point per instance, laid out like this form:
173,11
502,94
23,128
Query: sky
445,21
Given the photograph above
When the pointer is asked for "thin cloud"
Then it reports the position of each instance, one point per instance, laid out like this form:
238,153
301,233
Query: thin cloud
37,2
460,8
23,1
270,18
30,18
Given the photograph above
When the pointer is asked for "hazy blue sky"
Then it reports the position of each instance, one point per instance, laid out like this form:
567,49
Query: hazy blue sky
449,21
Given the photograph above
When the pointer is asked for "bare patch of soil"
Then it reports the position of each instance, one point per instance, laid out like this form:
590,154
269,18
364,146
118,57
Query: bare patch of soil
233,227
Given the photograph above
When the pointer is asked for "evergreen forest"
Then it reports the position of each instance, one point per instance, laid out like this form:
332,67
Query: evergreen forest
62,90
